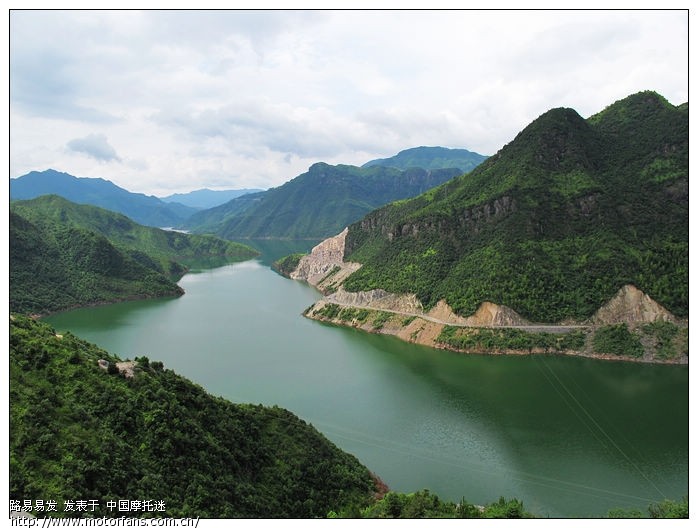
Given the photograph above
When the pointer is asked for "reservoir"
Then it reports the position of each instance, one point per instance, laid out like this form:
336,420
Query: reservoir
570,437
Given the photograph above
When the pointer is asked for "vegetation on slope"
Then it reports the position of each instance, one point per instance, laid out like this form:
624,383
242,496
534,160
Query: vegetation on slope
425,505
316,204
286,265
169,248
552,225
78,431
64,255
63,267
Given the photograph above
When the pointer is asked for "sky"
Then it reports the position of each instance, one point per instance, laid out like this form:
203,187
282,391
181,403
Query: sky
172,101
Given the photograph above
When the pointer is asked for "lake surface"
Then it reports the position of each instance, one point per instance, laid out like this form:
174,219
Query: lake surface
571,437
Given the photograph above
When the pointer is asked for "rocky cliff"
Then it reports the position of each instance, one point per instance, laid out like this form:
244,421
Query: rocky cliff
325,261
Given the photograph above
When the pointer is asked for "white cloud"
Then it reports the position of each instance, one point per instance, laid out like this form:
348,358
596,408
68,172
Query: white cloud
94,145
251,99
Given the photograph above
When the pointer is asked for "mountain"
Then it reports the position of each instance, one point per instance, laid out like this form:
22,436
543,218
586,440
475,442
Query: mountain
552,226
65,267
317,203
206,198
431,158
64,255
84,423
146,210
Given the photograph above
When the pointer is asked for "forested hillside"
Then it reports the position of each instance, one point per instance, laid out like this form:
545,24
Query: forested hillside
317,203
552,225
65,267
64,255
165,246
139,431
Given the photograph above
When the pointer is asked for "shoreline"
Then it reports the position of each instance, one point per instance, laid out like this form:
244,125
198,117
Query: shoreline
424,329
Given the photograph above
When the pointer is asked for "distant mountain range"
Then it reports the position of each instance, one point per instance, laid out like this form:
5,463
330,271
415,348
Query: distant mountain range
207,198
322,201
146,210
431,158
313,205
64,255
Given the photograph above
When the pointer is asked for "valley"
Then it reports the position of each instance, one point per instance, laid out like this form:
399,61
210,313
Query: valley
552,431
450,340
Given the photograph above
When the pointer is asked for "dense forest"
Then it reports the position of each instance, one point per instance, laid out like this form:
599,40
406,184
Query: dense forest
64,255
552,225
81,431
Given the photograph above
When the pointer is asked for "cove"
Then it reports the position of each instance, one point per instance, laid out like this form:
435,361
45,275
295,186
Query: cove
571,437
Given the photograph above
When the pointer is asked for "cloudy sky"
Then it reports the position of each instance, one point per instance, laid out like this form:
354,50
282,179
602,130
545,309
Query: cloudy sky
171,101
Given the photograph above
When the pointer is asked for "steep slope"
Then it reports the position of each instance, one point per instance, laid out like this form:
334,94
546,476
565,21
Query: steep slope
211,220
64,266
552,226
317,203
169,251
64,255
431,158
85,424
147,210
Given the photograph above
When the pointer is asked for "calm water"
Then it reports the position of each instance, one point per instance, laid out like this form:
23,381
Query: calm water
571,437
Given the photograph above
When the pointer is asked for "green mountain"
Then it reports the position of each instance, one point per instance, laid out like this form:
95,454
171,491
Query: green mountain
146,210
317,203
64,267
552,225
173,249
137,431
206,198
64,255
431,158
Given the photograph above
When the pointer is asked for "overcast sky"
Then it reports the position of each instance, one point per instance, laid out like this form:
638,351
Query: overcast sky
163,102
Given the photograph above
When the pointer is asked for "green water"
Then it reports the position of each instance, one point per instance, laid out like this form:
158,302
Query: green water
571,437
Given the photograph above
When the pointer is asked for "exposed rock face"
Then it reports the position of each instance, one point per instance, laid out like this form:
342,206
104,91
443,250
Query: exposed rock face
378,299
323,258
488,314
471,219
633,307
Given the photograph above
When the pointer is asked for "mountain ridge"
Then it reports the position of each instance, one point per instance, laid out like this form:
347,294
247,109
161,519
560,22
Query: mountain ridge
75,254
552,226
316,203
547,194
147,210
431,158
207,198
